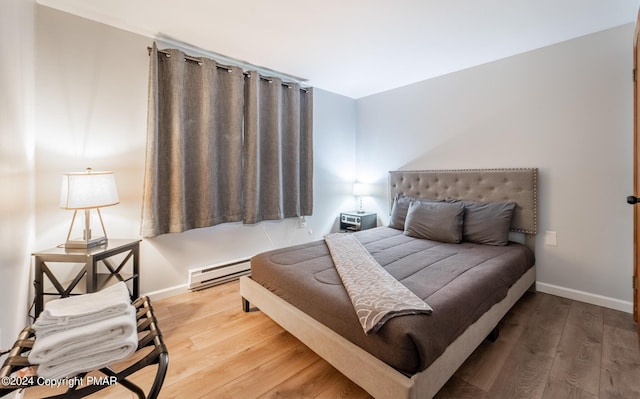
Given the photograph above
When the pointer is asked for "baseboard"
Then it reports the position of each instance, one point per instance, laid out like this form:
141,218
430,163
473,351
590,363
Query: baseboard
594,299
167,292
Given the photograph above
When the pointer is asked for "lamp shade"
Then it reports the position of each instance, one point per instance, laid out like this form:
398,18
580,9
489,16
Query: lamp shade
361,190
86,190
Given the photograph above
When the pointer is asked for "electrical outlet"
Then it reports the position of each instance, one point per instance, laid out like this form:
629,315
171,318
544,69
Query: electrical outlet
551,238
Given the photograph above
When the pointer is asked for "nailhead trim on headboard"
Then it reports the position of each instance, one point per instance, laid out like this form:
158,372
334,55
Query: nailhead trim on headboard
517,185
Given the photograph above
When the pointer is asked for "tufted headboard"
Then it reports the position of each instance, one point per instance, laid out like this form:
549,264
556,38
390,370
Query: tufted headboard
486,185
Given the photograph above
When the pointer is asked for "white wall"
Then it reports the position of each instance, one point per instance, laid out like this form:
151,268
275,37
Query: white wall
16,164
91,111
566,109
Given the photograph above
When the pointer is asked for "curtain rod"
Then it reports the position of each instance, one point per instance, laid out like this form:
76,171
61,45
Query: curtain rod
224,59
225,67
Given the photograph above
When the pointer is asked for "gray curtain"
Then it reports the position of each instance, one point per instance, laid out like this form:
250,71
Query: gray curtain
222,147
278,181
193,173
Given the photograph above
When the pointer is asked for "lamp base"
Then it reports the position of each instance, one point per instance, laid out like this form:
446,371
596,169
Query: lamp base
83,244
86,241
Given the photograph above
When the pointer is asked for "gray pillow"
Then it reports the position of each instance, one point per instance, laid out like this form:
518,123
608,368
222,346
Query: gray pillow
399,211
400,207
438,221
487,222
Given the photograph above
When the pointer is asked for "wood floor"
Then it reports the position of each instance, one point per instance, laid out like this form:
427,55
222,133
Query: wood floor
549,347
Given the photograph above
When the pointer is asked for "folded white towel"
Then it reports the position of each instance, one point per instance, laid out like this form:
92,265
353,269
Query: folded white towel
66,367
62,314
87,341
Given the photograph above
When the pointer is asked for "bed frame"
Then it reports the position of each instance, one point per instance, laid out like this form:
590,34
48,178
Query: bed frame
374,376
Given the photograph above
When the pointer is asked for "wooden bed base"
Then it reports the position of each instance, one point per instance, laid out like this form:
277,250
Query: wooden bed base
374,376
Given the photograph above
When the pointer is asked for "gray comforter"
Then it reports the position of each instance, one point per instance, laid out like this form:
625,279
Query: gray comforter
460,282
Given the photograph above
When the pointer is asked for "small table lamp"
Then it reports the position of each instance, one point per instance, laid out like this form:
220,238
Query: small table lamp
361,190
86,191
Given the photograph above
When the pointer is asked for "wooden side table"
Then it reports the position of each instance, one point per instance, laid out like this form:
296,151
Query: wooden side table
96,278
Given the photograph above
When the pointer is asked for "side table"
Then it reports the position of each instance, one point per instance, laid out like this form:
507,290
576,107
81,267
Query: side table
96,278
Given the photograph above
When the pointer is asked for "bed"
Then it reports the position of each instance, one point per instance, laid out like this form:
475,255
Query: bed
410,356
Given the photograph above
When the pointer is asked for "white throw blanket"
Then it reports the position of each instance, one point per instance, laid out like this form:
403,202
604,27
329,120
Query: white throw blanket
62,314
376,295
86,347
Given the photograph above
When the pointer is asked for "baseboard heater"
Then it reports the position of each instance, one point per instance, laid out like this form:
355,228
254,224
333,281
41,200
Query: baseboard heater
208,276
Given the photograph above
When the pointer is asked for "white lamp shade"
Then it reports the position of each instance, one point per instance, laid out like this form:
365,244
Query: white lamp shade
361,190
86,190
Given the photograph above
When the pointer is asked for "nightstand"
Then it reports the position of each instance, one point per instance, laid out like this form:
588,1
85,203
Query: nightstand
96,278
354,221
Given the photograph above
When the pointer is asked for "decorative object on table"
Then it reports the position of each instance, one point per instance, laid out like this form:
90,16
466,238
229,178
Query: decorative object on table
355,221
84,333
361,190
86,191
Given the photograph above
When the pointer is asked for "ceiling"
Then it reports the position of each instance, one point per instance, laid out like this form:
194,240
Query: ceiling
360,47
